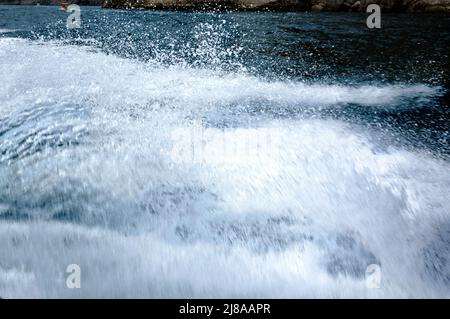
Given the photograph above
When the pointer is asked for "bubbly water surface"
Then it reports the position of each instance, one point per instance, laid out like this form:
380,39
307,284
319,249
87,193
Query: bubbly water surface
223,155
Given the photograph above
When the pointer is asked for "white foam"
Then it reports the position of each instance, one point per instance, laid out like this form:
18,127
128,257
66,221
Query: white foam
6,30
155,225
73,73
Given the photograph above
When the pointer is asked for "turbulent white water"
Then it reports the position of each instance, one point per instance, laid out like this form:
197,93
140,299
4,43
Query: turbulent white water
101,166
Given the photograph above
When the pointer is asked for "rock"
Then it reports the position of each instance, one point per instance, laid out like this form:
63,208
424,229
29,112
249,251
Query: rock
52,2
334,5
356,7
437,9
429,6
242,5
346,6
412,6
316,8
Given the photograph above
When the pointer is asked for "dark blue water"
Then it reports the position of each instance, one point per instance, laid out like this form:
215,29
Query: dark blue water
223,154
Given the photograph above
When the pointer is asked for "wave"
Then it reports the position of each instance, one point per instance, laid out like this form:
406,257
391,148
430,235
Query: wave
56,72
7,30
122,167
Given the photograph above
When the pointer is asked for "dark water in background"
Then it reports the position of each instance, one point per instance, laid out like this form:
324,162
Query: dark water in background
87,175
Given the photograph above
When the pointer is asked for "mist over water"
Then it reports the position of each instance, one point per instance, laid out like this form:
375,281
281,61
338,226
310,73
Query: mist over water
223,155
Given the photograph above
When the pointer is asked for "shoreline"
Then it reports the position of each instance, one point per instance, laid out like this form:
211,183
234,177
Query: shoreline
441,7
396,6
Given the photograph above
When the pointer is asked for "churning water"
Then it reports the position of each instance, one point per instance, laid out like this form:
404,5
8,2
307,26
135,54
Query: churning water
223,155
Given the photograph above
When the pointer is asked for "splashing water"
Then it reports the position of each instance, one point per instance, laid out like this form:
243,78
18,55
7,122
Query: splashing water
194,180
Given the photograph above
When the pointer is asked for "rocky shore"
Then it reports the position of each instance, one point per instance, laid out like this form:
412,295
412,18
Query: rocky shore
52,2
412,6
